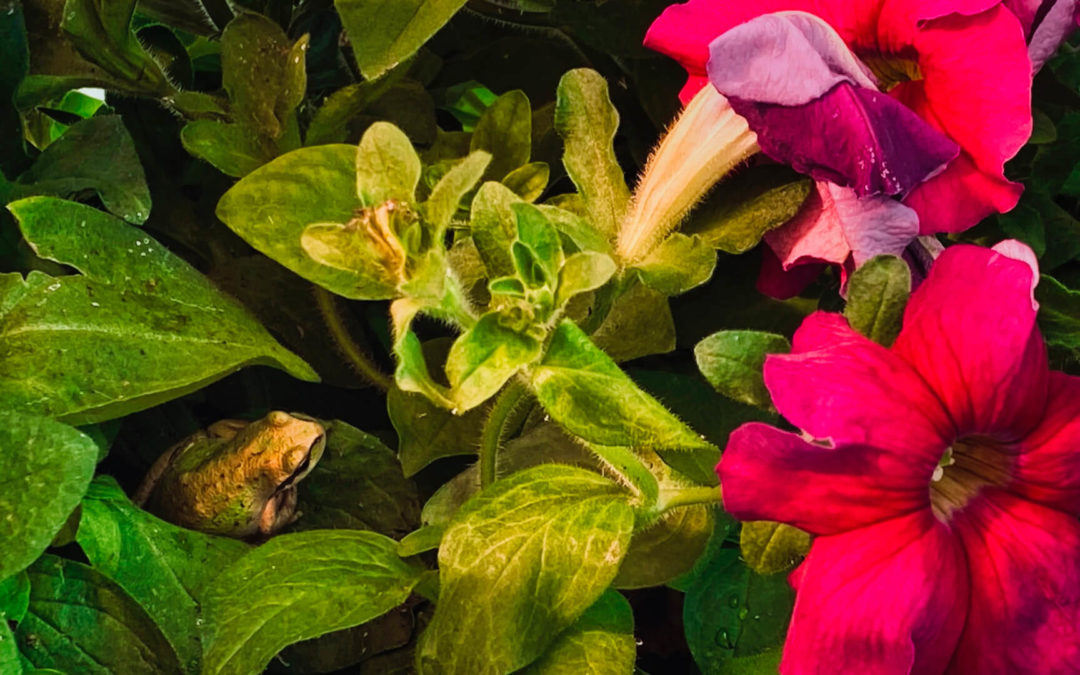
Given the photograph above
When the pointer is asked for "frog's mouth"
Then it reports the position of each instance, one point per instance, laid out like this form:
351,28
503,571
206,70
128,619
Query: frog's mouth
284,495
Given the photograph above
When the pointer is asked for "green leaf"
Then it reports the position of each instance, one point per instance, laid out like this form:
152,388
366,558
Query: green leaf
1059,314
357,485
1051,231
484,358
505,131
14,598
587,121
770,548
666,549
331,121
427,538
387,166
528,181
139,326
583,390
877,294
272,206
638,324
747,206
677,265
233,149
383,34
427,432
537,234
263,73
582,272
600,642
732,615
45,467
101,31
296,587
94,154
163,567
81,622
519,564
493,226
10,662
441,206
731,361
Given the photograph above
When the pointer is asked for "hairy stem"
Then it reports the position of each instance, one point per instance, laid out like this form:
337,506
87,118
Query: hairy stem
352,352
495,428
672,498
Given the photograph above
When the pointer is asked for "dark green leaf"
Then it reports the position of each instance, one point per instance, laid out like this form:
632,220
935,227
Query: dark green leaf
383,34
45,467
667,548
102,33
163,567
94,154
484,358
587,122
427,432
296,587
638,324
600,642
81,622
1059,314
519,564
770,548
877,294
677,265
138,327
14,597
583,390
505,131
732,360
357,485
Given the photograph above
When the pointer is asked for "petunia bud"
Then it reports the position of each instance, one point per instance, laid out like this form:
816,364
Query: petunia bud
706,142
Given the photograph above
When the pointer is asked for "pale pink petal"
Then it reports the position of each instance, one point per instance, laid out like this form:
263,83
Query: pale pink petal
813,235
882,600
837,384
768,474
1057,24
873,225
1047,469
970,331
1024,564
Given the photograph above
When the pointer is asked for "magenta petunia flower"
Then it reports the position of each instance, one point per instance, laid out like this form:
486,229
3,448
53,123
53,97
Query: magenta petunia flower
941,477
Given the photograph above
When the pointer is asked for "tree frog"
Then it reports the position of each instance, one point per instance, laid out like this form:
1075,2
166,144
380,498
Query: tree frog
235,478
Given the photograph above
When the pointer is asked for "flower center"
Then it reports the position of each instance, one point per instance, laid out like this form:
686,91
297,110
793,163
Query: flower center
968,465
891,69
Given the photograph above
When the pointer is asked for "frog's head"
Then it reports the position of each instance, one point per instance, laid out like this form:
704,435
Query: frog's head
281,449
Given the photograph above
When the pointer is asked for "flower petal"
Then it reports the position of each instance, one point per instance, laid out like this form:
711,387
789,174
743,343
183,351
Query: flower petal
889,598
768,474
1047,469
1023,560
970,331
813,235
777,282
961,196
862,139
837,384
786,58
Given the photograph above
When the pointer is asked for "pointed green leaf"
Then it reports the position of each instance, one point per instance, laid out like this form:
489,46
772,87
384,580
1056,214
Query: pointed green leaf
600,642
163,567
81,622
519,564
770,548
484,358
296,587
1059,314
233,149
576,228
667,548
583,390
441,206
732,360
582,272
94,154
528,181
427,432
387,166
536,233
45,467
587,122
677,265
505,131
877,295
139,326
638,324
383,34
102,33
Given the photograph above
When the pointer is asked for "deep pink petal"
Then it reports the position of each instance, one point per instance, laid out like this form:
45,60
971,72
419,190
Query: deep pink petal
776,282
889,598
768,474
1024,563
1048,467
960,197
837,384
970,331
862,139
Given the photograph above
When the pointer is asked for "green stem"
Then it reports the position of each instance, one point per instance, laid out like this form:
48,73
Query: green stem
687,496
495,427
352,352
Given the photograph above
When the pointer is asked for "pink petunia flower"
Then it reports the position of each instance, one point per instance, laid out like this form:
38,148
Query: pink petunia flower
943,482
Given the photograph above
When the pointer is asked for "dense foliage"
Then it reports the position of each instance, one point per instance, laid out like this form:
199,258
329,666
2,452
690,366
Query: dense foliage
402,219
